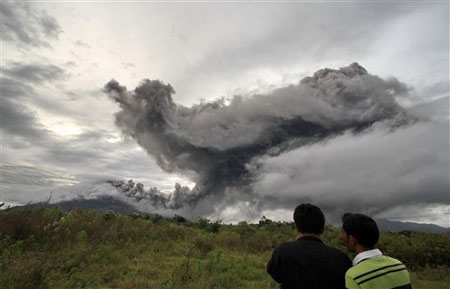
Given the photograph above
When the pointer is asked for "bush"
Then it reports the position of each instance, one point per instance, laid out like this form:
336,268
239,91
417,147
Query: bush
206,225
108,215
203,245
179,219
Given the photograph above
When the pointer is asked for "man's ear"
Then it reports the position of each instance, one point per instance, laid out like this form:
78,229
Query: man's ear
352,240
323,229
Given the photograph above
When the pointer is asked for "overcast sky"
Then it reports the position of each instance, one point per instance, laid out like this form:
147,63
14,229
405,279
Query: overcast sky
58,125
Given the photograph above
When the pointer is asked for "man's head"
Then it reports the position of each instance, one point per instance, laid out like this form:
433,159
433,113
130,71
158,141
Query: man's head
309,219
359,232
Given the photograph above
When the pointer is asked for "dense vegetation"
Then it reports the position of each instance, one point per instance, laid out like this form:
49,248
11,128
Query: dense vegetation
51,248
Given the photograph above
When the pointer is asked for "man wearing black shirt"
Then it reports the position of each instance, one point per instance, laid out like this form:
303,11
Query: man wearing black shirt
308,263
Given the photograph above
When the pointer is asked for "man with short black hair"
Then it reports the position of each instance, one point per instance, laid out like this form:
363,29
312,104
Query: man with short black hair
371,270
308,263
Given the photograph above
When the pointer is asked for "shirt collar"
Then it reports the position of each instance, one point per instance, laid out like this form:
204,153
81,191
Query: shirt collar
367,255
310,238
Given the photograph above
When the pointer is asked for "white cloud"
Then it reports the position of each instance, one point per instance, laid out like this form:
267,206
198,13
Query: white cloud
369,172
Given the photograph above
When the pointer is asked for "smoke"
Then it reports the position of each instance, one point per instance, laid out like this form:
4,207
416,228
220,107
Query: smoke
181,195
215,144
373,171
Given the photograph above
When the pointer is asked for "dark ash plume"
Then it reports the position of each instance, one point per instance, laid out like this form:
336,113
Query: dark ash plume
181,195
213,143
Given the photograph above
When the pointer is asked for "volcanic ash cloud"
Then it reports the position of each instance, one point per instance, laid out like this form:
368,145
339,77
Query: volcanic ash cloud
214,143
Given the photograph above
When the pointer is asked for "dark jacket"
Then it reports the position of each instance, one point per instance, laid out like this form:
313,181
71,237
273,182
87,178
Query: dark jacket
308,264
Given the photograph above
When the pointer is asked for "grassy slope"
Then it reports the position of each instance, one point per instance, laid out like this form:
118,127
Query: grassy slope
48,248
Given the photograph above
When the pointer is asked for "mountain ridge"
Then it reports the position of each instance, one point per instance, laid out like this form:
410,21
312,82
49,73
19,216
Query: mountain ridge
104,203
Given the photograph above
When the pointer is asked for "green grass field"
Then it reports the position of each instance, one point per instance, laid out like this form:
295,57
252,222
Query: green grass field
50,248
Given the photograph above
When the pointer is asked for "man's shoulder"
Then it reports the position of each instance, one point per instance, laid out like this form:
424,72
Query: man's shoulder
371,264
353,271
360,268
392,260
284,250
336,252
305,248
286,246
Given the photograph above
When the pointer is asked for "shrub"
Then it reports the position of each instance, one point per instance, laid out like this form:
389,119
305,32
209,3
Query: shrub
203,245
108,215
179,219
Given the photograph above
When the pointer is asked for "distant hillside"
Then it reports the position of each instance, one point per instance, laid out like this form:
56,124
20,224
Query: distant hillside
104,203
99,204
397,226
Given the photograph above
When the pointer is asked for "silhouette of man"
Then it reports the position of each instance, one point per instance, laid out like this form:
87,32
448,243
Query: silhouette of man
308,263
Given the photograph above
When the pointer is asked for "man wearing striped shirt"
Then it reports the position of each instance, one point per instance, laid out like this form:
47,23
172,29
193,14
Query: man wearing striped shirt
371,269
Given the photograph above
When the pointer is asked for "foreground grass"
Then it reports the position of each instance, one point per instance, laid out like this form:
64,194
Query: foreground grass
49,248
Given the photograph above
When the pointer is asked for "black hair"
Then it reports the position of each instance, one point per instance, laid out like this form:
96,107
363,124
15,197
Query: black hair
362,227
309,219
